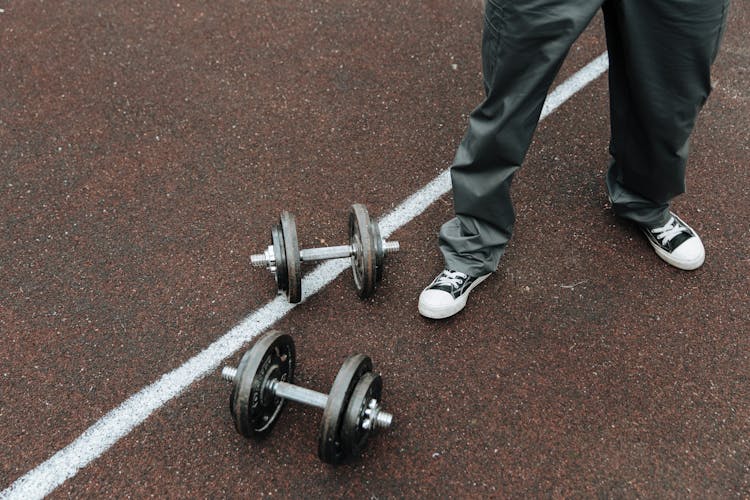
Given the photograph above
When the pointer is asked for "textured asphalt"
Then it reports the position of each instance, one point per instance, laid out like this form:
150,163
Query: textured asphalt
147,147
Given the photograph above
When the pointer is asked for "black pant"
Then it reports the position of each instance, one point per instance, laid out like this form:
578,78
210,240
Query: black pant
660,54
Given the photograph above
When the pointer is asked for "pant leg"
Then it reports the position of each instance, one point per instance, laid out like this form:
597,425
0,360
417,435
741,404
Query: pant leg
523,45
660,53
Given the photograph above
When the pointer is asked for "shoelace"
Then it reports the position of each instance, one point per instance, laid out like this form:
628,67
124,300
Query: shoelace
668,230
454,279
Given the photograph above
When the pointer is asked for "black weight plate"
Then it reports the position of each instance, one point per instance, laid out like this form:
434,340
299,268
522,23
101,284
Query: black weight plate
353,436
253,409
379,252
280,254
364,255
291,250
330,447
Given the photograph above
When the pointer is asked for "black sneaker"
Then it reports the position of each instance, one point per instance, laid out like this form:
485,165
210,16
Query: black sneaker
447,294
676,243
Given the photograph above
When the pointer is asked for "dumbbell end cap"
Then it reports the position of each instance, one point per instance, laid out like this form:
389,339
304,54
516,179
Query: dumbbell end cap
258,260
391,246
228,373
265,259
376,418
383,420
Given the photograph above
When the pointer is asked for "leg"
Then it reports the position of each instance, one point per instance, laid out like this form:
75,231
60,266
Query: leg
660,53
524,44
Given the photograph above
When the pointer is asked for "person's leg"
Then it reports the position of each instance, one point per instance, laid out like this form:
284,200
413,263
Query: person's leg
524,43
660,54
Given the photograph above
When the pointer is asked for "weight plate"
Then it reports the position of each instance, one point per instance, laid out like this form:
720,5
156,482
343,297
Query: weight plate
379,252
330,447
364,252
277,239
254,410
353,435
291,249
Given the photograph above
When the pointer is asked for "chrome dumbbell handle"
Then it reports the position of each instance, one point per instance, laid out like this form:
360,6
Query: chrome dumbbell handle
340,252
325,253
297,394
268,258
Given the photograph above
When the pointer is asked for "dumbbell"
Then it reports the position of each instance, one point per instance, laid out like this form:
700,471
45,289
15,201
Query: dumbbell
366,249
262,383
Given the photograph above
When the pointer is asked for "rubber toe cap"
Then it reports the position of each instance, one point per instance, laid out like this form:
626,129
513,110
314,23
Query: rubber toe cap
690,255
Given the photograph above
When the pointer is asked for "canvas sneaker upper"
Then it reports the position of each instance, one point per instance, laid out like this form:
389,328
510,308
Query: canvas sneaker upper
447,294
676,243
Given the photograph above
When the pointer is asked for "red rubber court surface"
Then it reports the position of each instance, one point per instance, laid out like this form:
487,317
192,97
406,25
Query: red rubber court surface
147,148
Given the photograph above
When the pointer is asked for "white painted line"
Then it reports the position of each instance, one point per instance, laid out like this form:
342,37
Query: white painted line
103,434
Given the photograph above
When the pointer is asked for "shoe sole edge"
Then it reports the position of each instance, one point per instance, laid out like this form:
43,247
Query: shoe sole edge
685,265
